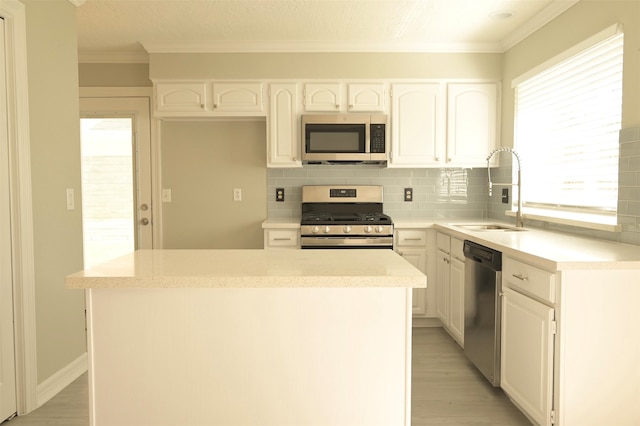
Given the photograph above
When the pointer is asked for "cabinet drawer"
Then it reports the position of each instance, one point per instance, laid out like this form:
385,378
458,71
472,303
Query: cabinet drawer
411,237
529,280
281,238
443,242
457,250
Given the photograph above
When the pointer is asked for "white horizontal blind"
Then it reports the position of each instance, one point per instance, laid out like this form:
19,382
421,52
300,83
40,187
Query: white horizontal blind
567,121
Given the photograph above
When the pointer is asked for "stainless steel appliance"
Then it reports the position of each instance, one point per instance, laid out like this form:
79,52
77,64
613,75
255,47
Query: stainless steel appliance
344,138
343,216
483,276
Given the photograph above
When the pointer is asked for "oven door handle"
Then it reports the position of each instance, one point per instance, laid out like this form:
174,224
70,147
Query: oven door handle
347,241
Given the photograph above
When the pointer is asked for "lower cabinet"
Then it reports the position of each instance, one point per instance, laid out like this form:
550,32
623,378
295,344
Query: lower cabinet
450,285
413,245
282,238
527,335
527,354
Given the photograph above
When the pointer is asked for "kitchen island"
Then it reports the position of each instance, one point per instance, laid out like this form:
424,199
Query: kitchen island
250,337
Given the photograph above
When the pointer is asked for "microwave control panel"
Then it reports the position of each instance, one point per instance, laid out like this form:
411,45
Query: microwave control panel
377,137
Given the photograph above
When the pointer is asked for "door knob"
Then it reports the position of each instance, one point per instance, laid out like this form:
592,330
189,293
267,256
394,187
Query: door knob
144,207
144,221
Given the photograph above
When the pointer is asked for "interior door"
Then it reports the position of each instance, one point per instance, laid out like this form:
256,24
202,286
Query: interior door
116,177
7,355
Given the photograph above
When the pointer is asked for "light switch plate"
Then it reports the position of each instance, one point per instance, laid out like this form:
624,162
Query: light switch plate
71,199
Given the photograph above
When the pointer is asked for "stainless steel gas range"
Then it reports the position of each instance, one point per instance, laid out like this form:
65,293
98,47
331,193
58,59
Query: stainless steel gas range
344,216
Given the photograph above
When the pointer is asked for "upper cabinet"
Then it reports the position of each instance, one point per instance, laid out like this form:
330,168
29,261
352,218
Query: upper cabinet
283,136
417,124
472,117
208,99
184,98
443,124
329,97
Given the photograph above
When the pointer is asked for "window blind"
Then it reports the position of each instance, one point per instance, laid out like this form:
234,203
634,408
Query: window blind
567,119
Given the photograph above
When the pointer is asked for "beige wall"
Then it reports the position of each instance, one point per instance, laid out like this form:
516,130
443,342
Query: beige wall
114,75
202,162
583,20
55,165
325,65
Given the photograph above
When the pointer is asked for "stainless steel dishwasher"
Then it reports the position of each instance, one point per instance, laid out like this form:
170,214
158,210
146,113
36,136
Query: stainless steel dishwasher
483,275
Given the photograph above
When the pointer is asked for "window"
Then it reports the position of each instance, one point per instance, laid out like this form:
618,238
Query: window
567,119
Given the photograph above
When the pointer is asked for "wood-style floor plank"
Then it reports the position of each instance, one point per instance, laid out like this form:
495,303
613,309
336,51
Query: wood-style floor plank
447,390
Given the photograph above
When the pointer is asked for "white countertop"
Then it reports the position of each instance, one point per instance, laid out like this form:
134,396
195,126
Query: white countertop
251,269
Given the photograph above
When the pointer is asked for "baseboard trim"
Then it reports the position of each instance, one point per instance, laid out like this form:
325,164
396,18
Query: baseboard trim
61,379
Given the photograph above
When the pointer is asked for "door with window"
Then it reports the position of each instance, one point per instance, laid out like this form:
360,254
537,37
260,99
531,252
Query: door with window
116,177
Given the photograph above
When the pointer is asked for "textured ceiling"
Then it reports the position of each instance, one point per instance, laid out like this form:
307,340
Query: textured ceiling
130,26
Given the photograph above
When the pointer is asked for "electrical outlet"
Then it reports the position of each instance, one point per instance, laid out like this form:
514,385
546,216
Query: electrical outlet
237,194
505,195
408,194
279,194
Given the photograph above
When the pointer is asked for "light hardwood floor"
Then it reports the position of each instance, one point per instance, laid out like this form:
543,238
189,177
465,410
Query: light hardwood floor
446,390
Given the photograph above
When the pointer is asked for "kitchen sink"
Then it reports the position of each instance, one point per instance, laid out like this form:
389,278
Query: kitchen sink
489,227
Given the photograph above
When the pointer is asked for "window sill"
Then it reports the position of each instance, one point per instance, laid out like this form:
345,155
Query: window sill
582,220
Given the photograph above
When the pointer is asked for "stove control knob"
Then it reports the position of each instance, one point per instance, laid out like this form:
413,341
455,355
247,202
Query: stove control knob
368,229
326,229
379,229
315,229
347,229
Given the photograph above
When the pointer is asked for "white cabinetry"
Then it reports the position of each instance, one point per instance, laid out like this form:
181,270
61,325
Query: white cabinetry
237,97
187,97
450,285
417,124
528,328
443,124
328,97
283,148
471,122
208,99
412,245
281,237
322,97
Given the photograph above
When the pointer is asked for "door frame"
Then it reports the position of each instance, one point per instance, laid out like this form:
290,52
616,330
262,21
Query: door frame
13,12
156,184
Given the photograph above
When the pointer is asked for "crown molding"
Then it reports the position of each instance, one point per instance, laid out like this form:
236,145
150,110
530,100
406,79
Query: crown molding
314,47
545,16
77,3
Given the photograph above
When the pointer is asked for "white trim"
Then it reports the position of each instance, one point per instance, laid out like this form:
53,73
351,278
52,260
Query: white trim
588,222
61,379
314,46
13,12
546,15
601,36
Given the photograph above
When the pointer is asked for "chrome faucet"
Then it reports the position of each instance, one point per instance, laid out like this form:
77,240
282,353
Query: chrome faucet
519,221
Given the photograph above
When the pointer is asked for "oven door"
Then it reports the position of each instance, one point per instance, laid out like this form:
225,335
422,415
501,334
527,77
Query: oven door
340,242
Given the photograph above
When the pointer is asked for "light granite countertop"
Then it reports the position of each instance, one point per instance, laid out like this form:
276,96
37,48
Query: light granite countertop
251,269
550,250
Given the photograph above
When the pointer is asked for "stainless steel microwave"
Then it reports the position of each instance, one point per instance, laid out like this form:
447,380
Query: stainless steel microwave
344,138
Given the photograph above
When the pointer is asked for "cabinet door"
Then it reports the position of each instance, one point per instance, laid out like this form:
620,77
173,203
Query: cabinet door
456,300
237,97
417,125
471,123
284,138
181,97
527,354
366,97
443,263
322,97
418,258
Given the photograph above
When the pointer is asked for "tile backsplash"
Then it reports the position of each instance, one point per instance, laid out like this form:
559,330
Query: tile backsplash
437,193
455,193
